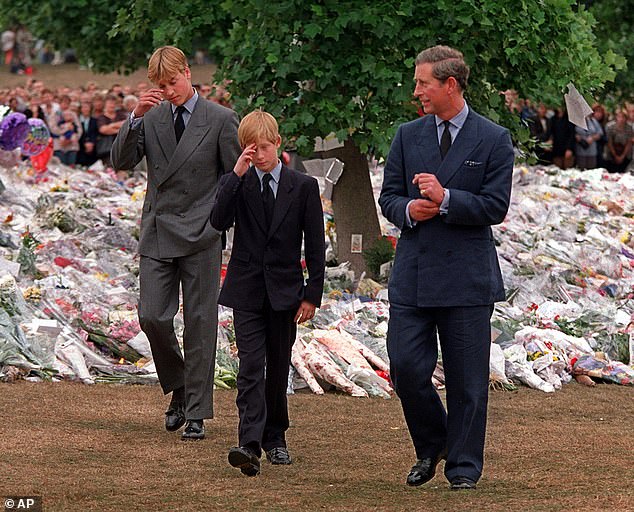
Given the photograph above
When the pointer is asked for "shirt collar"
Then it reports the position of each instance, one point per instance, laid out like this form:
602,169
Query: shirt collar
275,173
189,104
458,120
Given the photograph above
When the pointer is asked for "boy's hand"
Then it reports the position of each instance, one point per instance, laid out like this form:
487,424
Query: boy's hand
305,312
150,98
244,162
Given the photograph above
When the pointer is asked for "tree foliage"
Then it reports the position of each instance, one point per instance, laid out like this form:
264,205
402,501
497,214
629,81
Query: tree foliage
119,35
615,34
347,66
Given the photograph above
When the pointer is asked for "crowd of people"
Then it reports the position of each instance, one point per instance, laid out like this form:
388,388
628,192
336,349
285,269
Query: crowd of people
607,142
84,121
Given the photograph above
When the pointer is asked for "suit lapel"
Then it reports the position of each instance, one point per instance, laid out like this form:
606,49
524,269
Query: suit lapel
254,198
164,130
195,131
283,198
427,144
466,141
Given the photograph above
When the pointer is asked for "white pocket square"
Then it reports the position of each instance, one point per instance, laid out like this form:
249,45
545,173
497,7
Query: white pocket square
472,163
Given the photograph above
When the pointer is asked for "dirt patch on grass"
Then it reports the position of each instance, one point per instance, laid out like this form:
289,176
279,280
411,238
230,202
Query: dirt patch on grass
104,448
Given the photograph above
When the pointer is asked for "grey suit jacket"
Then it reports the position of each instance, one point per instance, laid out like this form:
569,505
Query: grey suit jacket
181,178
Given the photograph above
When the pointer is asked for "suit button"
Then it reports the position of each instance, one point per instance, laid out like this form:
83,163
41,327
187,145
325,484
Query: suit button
266,267
182,214
185,192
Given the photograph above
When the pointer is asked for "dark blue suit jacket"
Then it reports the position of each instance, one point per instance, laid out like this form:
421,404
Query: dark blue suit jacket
268,263
449,260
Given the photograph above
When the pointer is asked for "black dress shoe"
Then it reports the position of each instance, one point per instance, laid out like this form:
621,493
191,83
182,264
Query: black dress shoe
194,431
245,460
175,416
279,456
462,483
424,469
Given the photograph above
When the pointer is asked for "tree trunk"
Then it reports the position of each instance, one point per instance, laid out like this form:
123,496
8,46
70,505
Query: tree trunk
353,205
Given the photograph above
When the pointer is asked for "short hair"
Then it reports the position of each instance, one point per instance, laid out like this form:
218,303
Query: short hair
446,62
130,98
165,63
258,125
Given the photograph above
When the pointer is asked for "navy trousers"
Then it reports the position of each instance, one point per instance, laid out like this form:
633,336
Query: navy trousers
264,340
465,337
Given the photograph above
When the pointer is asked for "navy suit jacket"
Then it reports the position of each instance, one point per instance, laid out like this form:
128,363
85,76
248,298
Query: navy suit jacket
449,260
268,262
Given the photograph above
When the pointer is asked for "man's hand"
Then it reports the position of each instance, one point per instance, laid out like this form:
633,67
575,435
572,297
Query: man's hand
423,209
244,161
305,312
150,98
429,187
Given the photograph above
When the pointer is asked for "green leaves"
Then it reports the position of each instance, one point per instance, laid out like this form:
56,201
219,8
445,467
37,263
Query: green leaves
306,61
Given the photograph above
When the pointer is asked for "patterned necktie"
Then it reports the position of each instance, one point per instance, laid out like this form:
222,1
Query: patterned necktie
445,140
179,124
268,198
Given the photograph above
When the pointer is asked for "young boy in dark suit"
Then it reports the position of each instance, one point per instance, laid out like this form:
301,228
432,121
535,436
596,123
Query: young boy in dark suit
273,209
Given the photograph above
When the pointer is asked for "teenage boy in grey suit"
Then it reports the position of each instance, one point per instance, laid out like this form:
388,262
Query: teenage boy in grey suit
189,143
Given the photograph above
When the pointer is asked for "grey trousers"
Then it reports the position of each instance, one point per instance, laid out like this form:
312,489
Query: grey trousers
160,280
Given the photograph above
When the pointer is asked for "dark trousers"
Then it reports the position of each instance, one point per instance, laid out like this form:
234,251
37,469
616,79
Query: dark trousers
264,340
465,338
160,280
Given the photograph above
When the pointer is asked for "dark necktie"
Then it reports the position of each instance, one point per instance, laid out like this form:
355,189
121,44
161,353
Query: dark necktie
179,124
268,198
445,140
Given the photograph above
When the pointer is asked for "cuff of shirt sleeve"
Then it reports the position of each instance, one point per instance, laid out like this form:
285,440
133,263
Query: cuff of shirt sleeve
444,205
134,121
408,220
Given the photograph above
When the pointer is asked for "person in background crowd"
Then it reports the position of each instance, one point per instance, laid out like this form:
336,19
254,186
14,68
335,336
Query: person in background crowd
563,137
586,147
141,87
34,109
49,105
98,102
205,90
116,90
8,45
66,133
87,142
599,113
620,136
541,130
108,125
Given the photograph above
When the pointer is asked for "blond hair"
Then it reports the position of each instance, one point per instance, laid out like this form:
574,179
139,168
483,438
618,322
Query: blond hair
165,63
258,125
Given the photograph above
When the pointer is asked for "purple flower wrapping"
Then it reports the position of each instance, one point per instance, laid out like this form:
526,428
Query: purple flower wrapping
14,129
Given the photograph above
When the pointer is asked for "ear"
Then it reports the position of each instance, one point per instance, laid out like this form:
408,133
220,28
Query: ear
278,142
187,73
452,85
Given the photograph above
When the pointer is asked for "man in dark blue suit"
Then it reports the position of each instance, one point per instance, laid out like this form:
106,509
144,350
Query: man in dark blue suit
447,180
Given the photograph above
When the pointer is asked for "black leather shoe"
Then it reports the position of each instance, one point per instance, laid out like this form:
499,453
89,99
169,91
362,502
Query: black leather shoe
194,431
245,460
279,456
462,483
174,416
424,469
